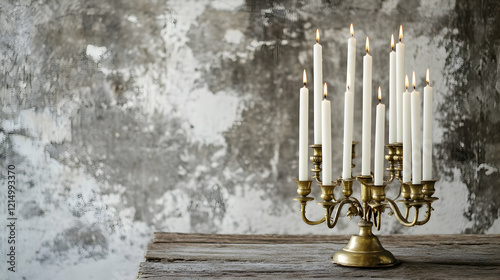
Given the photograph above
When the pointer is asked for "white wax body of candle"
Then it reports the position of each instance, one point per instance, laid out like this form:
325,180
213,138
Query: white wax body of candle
379,145
351,62
303,133
367,115
400,87
318,91
392,99
326,147
348,127
427,139
406,137
416,142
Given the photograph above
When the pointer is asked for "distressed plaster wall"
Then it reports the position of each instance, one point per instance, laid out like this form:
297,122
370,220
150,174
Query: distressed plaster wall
128,117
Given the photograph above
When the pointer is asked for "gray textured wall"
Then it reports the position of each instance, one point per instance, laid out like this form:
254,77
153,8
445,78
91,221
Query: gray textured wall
128,117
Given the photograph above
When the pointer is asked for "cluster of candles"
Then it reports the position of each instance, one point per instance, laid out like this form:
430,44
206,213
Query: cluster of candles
404,118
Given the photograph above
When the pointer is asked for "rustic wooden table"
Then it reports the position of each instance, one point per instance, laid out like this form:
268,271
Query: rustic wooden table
193,256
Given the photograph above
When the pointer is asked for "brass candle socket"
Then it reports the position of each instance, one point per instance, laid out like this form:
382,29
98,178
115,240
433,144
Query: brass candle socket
429,190
378,193
347,187
304,187
416,192
366,183
327,192
405,191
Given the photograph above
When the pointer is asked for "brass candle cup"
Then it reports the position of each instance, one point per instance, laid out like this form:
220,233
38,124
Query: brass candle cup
416,192
405,191
327,192
347,187
428,190
378,193
304,187
366,183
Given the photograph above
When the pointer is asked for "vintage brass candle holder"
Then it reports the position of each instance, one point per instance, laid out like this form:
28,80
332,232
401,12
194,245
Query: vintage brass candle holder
364,249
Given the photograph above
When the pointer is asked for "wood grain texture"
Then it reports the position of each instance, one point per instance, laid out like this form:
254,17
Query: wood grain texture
192,256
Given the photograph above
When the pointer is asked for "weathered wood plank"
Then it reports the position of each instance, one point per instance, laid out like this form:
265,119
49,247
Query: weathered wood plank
273,257
165,237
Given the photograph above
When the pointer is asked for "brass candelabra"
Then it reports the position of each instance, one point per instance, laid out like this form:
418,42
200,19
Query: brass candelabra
364,249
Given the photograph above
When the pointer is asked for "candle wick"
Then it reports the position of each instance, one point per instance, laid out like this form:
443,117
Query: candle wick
305,84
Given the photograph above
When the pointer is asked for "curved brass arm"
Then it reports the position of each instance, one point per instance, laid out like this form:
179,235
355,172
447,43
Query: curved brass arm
392,177
332,221
427,217
407,212
305,219
337,214
400,217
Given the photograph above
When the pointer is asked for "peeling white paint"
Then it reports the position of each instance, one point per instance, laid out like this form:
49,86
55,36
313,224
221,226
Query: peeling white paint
96,53
233,36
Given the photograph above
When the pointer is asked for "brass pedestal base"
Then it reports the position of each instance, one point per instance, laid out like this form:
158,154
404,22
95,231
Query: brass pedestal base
364,250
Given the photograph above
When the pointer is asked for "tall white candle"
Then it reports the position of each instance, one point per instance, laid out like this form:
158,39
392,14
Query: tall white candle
379,142
427,140
318,88
367,112
303,130
392,95
400,72
406,133
351,60
416,134
348,127
326,147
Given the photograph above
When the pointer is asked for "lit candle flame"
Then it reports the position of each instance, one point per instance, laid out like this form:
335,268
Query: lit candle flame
407,84
379,95
352,29
427,77
317,35
400,32
414,82
392,41
348,82
304,77
325,92
367,45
